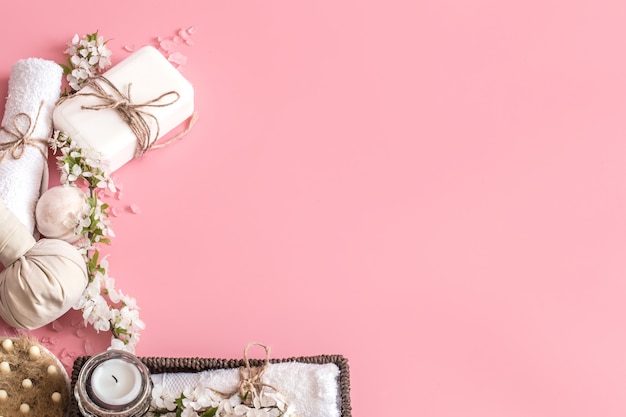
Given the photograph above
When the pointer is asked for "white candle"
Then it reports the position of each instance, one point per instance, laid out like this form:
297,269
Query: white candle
27,383
5,368
116,382
3,395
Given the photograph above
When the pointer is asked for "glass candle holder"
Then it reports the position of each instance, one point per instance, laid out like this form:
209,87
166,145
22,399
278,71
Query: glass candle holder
113,383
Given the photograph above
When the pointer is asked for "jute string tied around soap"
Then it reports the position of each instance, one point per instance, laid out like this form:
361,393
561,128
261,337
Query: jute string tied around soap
23,137
133,114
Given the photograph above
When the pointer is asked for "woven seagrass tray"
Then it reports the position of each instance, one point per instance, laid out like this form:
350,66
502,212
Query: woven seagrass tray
158,365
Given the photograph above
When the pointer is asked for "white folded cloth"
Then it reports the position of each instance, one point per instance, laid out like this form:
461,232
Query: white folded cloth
313,389
34,88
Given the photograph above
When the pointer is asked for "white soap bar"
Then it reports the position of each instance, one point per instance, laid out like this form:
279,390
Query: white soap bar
149,75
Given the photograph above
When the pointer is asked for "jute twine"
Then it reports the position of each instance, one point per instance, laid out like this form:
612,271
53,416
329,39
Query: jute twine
135,115
251,377
23,137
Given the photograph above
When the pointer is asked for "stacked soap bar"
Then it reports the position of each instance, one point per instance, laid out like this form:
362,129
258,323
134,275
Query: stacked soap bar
143,77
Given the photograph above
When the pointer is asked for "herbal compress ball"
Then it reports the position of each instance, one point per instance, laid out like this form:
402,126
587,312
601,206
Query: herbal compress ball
59,211
42,279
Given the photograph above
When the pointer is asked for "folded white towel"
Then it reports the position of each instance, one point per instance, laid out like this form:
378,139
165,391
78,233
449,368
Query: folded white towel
34,88
313,389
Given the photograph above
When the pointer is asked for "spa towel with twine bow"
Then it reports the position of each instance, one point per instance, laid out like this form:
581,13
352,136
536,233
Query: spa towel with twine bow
303,387
34,88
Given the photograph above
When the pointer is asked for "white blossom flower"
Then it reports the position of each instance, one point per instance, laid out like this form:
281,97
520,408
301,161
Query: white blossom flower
199,398
103,306
88,56
241,410
162,399
97,313
258,412
189,412
117,344
111,291
228,406
129,301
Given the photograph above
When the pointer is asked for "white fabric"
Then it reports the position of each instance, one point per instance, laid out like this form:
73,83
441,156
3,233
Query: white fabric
313,389
42,279
31,81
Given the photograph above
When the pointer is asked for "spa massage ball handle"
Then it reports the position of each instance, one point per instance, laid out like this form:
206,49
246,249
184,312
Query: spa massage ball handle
41,280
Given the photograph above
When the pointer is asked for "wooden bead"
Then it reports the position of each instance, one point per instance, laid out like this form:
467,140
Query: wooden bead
34,352
7,345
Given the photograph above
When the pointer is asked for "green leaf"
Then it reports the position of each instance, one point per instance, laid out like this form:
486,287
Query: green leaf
179,405
210,412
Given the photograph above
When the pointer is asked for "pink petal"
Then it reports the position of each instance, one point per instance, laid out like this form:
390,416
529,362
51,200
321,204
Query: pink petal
89,349
183,34
177,58
47,342
57,326
168,45
67,357
135,208
129,48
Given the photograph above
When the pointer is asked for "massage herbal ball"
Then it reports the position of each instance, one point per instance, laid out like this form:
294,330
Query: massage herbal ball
30,388
59,211
41,280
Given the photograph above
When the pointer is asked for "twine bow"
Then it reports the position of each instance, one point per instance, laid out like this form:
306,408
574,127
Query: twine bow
23,137
133,114
251,378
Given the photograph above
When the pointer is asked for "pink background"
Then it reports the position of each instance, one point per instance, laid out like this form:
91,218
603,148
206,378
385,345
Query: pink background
434,189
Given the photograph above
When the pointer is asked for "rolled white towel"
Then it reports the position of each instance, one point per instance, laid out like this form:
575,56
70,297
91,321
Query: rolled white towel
34,88
312,389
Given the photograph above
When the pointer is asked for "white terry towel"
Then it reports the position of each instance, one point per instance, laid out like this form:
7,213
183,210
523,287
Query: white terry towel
34,88
313,389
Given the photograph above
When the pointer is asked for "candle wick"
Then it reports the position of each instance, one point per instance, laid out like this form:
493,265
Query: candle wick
114,378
